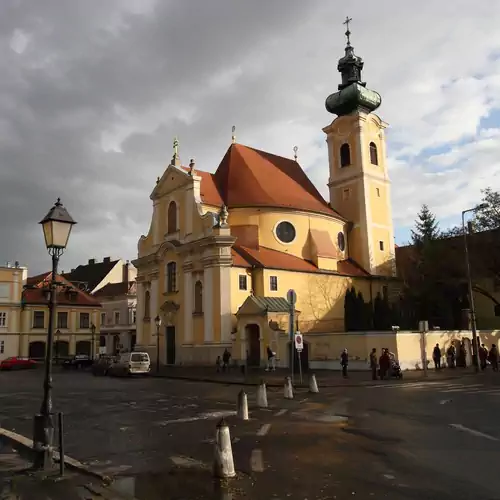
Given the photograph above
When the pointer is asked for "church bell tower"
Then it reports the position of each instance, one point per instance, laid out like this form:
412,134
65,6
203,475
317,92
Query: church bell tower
359,182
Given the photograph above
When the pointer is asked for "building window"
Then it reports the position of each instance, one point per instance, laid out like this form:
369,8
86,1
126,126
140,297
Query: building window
38,319
285,232
62,320
147,304
346,194
172,218
345,155
273,283
198,297
381,245
171,277
103,318
341,241
84,320
373,154
378,192
117,317
243,282
3,319
2,346
134,316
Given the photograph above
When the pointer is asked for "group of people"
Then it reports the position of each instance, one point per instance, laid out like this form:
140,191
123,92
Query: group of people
382,366
459,359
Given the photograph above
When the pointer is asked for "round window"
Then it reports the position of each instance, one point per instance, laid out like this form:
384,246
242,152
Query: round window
341,241
285,232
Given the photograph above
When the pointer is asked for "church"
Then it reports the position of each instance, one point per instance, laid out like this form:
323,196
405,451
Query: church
224,248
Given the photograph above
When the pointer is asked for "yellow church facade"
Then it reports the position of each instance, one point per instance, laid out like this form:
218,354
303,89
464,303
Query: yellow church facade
223,249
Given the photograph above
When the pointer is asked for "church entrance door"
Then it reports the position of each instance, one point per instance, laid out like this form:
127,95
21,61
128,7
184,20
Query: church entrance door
253,344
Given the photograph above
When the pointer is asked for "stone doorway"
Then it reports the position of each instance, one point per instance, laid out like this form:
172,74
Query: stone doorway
253,344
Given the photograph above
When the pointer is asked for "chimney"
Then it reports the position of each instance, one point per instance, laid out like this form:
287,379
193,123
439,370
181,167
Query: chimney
91,261
125,273
106,259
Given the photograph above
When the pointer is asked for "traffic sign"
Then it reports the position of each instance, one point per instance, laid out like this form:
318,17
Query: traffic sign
291,296
299,344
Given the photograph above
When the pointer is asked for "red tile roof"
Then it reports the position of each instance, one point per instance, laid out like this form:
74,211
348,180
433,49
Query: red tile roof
238,260
68,294
273,259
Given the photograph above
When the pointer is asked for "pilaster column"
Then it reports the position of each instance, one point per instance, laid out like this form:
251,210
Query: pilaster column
188,305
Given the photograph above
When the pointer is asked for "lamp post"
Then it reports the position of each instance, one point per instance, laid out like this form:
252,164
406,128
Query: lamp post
58,336
56,226
92,329
158,324
475,347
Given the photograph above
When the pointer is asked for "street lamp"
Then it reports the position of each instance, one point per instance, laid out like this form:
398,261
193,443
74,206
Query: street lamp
92,329
58,336
475,347
56,226
158,324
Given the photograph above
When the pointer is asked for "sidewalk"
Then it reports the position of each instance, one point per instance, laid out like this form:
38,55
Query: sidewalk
325,378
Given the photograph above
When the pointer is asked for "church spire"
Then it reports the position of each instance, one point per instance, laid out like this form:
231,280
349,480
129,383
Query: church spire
353,94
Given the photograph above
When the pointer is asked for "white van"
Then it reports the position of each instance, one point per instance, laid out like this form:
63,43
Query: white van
132,363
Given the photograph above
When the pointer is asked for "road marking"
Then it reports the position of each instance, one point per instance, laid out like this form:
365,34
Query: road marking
264,430
281,412
188,462
444,401
460,427
256,462
202,416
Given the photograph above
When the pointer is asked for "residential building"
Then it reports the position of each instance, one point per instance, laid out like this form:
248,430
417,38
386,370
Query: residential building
77,313
12,280
118,316
223,249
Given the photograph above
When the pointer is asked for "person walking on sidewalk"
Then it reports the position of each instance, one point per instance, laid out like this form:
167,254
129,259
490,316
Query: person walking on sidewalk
373,363
493,357
385,363
483,356
226,356
344,362
271,360
451,354
436,356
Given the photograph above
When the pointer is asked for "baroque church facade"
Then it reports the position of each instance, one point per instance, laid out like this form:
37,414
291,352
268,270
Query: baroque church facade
223,249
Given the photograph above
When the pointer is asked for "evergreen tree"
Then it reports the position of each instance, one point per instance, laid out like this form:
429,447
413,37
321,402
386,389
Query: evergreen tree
426,227
487,215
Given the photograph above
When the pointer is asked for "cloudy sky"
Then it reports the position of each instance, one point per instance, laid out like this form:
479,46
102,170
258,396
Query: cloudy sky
93,91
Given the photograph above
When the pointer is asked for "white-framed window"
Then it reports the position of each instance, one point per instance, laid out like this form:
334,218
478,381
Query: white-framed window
242,282
4,290
134,316
38,319
117,317
2,346
273,283
84,320
103,318
3,319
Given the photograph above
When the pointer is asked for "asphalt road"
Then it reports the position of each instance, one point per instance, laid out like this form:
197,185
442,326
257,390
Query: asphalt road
402,441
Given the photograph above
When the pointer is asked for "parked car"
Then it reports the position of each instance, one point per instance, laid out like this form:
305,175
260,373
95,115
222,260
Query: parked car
17,363
101,366
78,361
131,363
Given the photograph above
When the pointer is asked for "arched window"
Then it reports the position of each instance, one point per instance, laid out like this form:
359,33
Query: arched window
198,297
345,155
172,218
147,304
171,277
373,154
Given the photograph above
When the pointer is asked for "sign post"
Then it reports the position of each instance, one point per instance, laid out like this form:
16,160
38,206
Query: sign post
299,345
292,299
423,326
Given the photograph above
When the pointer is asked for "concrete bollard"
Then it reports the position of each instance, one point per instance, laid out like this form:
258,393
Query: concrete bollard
223,456
313,385
288,388
262,395
242,405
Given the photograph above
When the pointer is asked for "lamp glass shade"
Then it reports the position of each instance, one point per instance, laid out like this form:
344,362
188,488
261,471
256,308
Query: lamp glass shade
57,226
157,321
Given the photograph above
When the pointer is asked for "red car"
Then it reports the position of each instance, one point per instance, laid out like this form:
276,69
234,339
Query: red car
17,363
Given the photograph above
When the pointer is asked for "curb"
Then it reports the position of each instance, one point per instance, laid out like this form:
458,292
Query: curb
364,383
24,444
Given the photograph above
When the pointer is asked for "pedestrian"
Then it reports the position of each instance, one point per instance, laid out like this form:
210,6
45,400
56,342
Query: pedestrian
451,354
385,363
218,363
436,356
271,360
344,362
462,355
483,356
226,356
493,357
373,363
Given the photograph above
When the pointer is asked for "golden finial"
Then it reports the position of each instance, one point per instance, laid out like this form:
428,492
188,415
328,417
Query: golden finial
233,138
295,149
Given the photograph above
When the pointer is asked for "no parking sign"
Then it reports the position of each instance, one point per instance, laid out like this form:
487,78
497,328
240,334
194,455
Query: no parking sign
299,345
